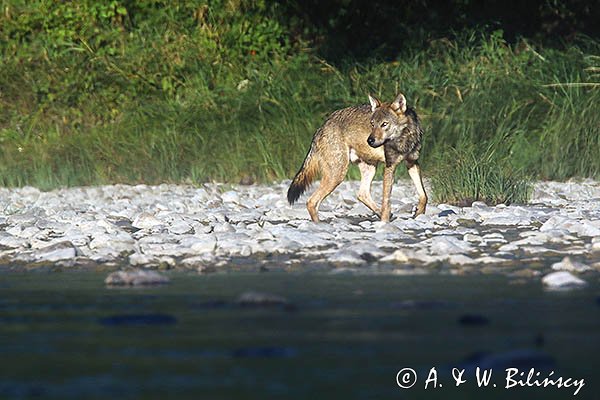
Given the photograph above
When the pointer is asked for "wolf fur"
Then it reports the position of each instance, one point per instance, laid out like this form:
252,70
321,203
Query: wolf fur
367,135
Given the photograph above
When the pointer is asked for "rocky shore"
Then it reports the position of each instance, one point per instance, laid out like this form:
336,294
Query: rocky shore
216,227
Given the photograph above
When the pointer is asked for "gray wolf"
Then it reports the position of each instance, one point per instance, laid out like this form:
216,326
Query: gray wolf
367,135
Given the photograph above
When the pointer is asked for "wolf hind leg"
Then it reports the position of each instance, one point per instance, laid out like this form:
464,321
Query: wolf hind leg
333,172
367,173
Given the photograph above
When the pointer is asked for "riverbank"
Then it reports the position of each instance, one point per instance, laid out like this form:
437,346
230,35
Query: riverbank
217,227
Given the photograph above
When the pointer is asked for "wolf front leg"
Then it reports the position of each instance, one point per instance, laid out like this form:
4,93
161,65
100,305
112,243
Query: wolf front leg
415,174
367,173
388,182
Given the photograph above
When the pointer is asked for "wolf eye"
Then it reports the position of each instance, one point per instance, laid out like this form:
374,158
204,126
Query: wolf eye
372,123
384,124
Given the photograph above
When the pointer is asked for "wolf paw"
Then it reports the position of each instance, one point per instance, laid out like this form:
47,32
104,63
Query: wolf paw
417,211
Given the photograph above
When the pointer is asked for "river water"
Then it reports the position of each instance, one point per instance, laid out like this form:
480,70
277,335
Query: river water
67,336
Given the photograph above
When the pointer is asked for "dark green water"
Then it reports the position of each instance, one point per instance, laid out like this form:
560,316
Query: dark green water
66,336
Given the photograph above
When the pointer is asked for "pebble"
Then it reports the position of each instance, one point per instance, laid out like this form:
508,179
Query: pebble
596,244
461,259
145,220
211,226
138,259
56,252
506,220
569,265
580,227
398,256
562,280
346,257
135,278
443,245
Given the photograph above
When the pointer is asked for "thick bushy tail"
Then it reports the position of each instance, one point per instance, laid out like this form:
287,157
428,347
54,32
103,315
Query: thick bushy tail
304,177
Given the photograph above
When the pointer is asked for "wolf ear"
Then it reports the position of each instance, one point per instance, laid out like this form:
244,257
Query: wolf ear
399,105
374,103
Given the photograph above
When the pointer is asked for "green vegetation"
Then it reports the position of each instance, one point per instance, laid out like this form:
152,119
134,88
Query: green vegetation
472,176
102,92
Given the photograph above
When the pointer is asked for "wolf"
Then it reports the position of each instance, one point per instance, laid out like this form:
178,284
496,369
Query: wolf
366,135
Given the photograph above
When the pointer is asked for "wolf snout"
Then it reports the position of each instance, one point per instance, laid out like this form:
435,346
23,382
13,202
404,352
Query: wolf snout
374,142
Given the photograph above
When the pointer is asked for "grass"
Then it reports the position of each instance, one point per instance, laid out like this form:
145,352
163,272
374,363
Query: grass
478,177
190,104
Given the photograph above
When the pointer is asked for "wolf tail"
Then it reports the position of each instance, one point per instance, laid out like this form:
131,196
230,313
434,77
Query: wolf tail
305,176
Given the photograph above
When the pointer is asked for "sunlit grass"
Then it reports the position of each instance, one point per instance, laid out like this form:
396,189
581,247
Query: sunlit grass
494,116
464,176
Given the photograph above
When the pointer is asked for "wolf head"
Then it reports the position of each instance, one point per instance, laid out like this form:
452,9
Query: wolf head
388,120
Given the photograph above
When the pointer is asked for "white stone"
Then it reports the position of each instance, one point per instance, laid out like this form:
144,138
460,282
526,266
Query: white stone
414,224
506,220
138,259
495,237
305,239
56,252
118,242
78,239
382,227
537,238
180,228
230,197
167,260
135,278
579,227
569,265
444,245
223,227
163,249
200,244
398,256
410,271
490,260
424,258
562,280
346,256
8,240
461,259
146,221
196,261
28,232
367,249
533,250
245,251
471,238
596,244
432,210
480,205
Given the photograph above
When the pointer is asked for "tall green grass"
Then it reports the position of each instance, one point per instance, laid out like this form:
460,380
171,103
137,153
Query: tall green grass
465,175
226,97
